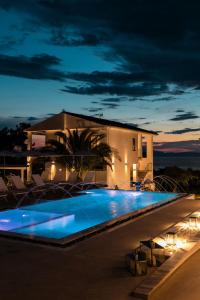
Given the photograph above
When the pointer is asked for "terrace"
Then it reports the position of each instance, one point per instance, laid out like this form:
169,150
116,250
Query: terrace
75,247
93,268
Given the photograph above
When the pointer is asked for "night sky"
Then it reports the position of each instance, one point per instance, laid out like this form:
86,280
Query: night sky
135,61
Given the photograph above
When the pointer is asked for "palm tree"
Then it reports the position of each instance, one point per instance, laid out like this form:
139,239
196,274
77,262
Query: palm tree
82,150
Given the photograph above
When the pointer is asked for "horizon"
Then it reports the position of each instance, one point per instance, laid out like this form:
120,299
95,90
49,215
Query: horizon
124,63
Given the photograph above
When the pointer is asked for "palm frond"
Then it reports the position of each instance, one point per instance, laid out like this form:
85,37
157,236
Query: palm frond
82,150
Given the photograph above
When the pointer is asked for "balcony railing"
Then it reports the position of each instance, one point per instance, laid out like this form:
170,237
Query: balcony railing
146,168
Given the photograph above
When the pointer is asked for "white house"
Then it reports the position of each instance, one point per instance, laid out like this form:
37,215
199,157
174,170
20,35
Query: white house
134,145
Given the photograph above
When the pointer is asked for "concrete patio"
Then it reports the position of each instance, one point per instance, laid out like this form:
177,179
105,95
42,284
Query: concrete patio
94,268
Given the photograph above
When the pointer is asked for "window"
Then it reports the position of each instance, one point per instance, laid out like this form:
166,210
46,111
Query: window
38,141
134,144
144,147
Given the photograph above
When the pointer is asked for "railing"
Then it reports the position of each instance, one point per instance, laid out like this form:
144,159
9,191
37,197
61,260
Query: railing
147,168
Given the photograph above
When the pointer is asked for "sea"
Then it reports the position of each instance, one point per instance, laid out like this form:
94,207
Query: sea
183,162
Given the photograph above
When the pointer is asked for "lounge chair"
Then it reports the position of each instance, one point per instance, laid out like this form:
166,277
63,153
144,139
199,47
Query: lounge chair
21,188
89,180
3,189
39,182
17,184
89,177
58,177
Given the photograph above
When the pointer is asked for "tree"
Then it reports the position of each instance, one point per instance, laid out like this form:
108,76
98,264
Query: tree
13,138
82,150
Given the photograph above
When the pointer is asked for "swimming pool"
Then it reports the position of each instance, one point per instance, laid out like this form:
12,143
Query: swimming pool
61,221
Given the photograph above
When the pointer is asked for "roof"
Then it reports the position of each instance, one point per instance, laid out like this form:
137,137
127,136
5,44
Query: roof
110,123
100,121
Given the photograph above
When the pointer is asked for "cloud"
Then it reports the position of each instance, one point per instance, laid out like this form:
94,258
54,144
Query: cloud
146,123
17,117
144,89
152,43
32,119
110,105
114,77
180,146
184,116
129,86
94,110
36,67
10,42
113,100
185,130
179,111
64,38
50,114
12,121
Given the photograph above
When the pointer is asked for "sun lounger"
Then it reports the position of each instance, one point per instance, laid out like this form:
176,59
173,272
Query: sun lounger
39,182
3,189
89,180
89,177
20,187
17,183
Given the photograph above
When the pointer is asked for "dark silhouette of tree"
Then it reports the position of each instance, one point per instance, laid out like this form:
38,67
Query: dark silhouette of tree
13,139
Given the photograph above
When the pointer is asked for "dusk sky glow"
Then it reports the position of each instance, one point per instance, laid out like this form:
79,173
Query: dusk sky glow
135,61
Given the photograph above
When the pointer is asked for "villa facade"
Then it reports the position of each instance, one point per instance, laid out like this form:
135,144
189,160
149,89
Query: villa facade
134,146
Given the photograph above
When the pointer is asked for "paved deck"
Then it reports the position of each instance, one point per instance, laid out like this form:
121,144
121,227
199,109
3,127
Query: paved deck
184,284
93,269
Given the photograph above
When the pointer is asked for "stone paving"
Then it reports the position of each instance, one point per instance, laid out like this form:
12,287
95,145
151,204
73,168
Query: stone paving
92,269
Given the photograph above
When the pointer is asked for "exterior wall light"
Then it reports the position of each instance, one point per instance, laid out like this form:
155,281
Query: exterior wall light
52,170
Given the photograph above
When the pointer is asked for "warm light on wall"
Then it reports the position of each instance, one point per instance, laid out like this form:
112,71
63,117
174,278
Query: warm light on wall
113,163
126,167
125,162
53,170
134,172
28,161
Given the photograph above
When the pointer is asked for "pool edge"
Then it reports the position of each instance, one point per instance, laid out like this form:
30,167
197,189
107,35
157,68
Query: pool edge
92,231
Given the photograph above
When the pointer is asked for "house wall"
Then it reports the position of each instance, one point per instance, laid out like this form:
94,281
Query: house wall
132,164
119,139
146,164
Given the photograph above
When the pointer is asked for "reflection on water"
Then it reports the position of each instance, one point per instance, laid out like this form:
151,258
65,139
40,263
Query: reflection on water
61,218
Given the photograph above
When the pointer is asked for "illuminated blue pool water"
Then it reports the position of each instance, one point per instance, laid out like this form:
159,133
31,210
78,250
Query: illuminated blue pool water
61,218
